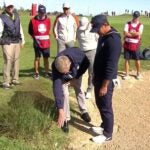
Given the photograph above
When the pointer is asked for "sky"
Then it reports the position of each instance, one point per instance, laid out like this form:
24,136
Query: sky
87,7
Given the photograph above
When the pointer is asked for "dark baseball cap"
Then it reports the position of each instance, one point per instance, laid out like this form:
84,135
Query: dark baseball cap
42,9
136,14
97,21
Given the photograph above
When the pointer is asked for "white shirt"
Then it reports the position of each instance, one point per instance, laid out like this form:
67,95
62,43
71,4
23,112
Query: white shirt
65,28
87,40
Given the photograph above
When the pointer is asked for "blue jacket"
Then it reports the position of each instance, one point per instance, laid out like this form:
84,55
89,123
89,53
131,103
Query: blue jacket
107,56
79,64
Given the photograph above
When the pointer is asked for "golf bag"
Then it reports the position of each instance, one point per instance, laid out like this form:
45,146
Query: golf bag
145,55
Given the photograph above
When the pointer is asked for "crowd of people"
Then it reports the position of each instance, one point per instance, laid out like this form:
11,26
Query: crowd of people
98,52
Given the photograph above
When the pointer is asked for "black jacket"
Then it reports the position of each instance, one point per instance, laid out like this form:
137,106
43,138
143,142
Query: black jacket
79,64
107,56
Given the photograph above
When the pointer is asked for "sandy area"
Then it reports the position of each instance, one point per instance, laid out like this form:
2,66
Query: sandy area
131,103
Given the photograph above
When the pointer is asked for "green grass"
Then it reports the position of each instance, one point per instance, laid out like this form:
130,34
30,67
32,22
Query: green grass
28,116
8,144
27,112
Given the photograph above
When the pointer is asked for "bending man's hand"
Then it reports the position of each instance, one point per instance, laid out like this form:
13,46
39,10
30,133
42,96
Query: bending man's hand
61,118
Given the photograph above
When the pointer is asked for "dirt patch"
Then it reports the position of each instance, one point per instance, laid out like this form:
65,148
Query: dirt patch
131,103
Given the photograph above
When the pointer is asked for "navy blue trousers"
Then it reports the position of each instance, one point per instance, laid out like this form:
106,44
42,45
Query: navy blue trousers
104,104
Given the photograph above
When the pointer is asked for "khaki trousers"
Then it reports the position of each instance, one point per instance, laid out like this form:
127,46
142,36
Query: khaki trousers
62,45
11,62
80,96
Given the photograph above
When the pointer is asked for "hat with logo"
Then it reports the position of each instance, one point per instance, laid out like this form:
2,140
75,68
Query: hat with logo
8,3
42,9
83,23
97,21
136,14
66,5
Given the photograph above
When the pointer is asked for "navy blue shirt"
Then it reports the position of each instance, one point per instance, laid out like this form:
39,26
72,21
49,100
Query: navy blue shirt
79,64
107,56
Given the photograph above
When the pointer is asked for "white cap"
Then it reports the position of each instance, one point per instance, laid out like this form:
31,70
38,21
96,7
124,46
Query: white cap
8,3
66,5
84,21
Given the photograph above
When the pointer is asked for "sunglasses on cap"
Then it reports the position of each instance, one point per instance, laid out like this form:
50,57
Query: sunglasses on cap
10,6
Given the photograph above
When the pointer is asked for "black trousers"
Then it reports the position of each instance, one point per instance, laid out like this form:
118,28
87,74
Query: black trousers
104,104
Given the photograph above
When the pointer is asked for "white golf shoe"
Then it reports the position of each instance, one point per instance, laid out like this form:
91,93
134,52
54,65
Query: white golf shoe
100,139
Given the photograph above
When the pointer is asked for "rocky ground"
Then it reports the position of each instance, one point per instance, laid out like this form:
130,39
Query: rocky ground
131,103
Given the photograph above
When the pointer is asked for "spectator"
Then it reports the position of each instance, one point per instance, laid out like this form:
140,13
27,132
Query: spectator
105,72
39,29
67,70
88,44
11,39
132,32
65,27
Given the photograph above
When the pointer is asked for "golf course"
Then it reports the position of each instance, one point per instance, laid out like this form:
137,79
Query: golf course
28,114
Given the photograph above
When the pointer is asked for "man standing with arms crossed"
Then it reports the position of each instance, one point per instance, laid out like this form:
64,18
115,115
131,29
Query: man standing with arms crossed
132,32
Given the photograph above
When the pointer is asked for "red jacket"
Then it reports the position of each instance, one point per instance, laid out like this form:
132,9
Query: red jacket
40,30
132,43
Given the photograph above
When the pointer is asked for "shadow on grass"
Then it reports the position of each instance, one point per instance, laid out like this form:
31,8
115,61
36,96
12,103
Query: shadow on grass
33,98
27,114
26,72
82,125
29,117
30,72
